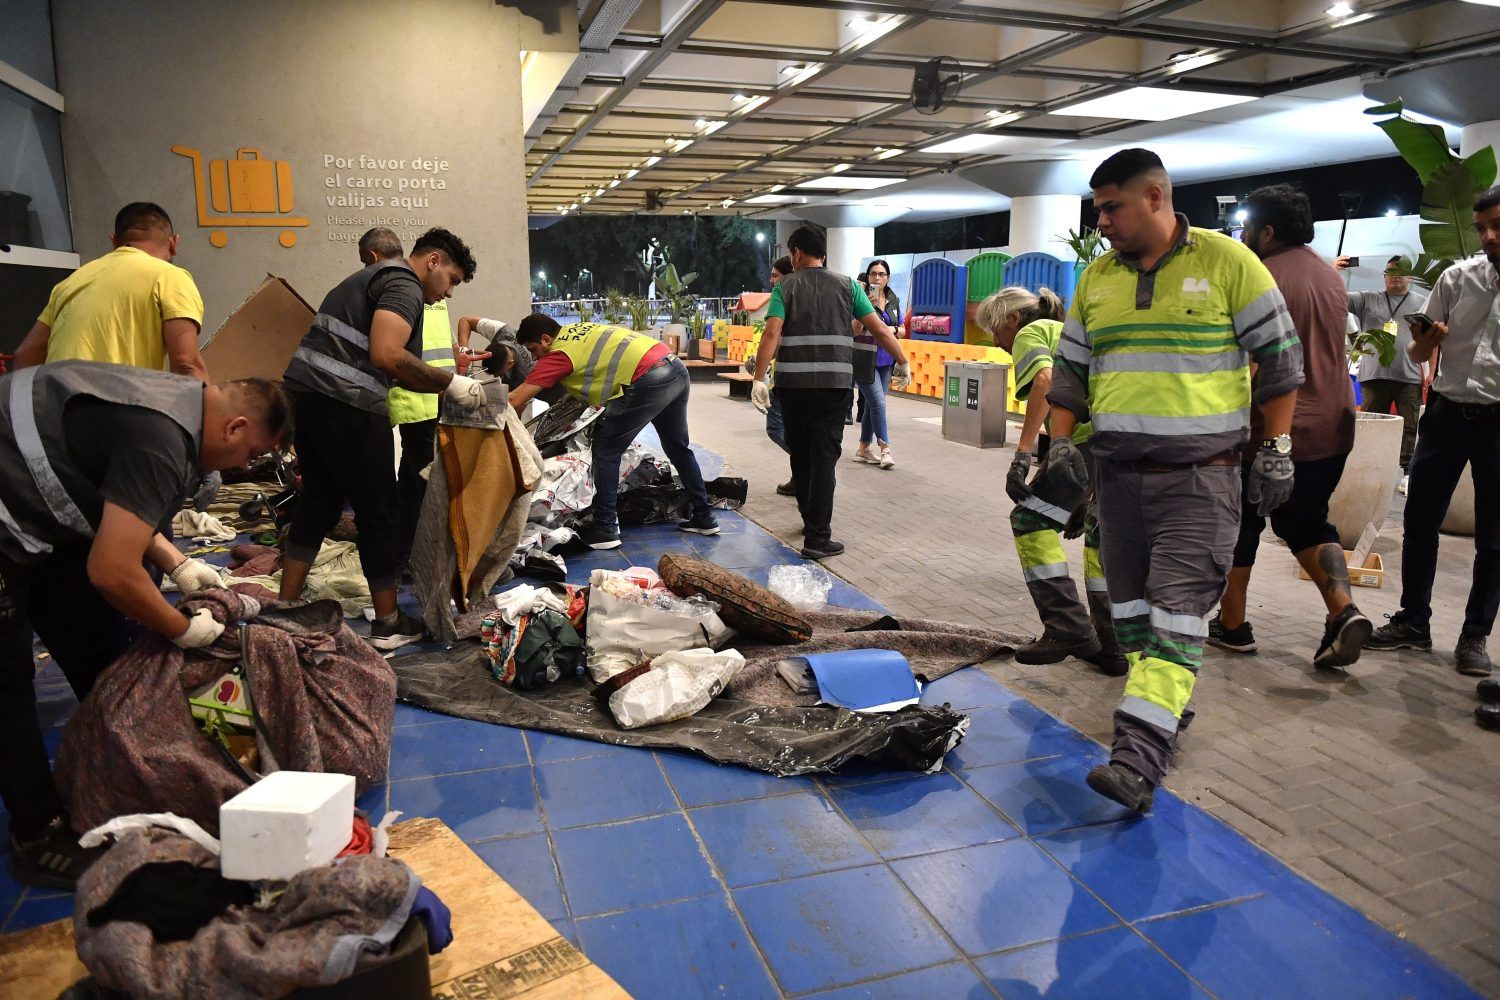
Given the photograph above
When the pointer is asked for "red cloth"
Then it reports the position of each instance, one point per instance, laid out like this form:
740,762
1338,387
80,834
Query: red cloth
361,840
557,366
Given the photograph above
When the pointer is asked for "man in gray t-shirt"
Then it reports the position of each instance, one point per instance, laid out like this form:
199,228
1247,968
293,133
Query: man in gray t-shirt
1400,383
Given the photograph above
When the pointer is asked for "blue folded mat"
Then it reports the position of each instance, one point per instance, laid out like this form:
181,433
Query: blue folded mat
864,679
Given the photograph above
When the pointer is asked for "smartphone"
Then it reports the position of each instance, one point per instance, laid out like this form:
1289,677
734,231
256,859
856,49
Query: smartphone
1353,261
1422,320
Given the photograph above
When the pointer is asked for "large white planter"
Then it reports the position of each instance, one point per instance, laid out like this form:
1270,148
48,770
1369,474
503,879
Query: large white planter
1364,493
1460,519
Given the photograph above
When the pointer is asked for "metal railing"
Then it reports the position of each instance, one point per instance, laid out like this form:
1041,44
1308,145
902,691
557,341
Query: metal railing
567,310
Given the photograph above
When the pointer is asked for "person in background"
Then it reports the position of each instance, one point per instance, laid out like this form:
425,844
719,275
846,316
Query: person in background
638,381
132,306
775,427
857,406
874,426
1400,383
121,447
1156,352
1460,428
1278,228
367,336
1029,326
807,334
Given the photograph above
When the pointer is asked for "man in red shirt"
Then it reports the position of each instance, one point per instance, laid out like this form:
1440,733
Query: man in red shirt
638,381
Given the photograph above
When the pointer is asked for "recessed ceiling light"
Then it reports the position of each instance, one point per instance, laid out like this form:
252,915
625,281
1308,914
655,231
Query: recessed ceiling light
752,104
653,161
793,68
1391,213
631,173
834,182
573,207
714,127
1186,62
1485,3
776,187
838,168
586,199
598,192
1151,104
1340,9
994,119
701,123
615,183
886,154
678,145
770,199
739,98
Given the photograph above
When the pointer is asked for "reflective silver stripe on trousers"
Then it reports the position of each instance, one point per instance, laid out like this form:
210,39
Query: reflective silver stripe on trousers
338,369
1050,511
33,545
1191,625
1096,584
1049,571
590,370
614,367
29,441
342,330
1149,712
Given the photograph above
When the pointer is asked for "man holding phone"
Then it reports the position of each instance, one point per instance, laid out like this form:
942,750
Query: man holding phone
1461,427
1400,382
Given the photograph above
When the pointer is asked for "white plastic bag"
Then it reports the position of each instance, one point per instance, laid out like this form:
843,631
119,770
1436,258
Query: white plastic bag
677,685
623,632
804,587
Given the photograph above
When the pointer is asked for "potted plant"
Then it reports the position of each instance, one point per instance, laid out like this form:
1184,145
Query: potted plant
1088,245
614,310
639,311
585,310
680,301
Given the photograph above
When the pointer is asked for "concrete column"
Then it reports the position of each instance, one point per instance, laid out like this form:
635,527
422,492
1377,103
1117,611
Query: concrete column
784,230
1479,135
1040,221
848,246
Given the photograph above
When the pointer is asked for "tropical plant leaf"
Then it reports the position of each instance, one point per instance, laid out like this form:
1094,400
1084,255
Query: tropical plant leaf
1423,146
1481,166
1447,204
687,279
1376,342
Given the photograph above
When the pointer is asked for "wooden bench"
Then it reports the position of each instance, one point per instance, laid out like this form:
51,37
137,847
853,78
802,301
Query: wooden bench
704,371
739,384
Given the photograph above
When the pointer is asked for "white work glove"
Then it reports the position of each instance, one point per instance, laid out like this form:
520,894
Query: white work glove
202,630
466,392
1272,477
760,395
193,575
900,377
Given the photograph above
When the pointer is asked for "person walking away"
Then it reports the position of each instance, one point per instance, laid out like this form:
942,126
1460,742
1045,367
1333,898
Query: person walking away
1278,228
875,360
1029,326
808,336
366,337
92,457
1461,427
1156,352
638,381
1400,383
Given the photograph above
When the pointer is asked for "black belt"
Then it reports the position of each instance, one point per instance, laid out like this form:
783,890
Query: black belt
1146,465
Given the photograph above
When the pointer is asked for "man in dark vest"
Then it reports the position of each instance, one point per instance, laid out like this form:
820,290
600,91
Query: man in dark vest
809,336
92,457
366,337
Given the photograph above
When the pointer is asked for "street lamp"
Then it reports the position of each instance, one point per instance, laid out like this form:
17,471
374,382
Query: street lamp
760,237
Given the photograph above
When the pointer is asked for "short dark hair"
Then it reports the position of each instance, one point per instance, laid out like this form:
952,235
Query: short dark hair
381,242
1284,209
1394,260
1125,166
1488,200
142,216
536,326
266,402
782,266
810,239
450,246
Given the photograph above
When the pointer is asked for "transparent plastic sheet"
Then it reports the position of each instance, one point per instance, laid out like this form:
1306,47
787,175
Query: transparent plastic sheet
804,587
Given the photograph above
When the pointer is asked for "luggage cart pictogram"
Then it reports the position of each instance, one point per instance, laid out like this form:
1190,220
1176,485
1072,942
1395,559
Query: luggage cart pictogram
245,191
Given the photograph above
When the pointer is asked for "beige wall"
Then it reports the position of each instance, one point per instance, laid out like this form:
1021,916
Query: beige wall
436,80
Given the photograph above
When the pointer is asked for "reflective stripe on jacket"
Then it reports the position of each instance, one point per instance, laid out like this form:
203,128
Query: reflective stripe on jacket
604,359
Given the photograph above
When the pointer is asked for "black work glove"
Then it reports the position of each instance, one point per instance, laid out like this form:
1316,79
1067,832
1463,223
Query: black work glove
1271,480
1066,467
1015,480
1079,519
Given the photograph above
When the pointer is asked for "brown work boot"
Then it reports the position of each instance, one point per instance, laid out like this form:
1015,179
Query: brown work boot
1055,649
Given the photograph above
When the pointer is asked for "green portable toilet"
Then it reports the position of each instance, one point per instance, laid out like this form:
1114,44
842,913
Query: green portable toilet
986,276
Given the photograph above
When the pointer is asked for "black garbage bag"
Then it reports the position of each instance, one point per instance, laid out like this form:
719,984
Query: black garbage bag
782,741
669,501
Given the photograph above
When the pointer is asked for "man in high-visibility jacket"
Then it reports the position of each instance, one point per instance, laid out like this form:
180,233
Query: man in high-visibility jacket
1156,351
638,382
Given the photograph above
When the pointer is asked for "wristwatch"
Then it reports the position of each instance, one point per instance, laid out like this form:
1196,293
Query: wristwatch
1281,444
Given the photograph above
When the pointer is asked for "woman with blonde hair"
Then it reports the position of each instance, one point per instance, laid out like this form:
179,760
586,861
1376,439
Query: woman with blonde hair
1029,326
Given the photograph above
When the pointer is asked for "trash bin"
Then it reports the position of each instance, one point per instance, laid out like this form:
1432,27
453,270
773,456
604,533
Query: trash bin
974,403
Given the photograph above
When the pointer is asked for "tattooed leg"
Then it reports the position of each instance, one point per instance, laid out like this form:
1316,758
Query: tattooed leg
1326,565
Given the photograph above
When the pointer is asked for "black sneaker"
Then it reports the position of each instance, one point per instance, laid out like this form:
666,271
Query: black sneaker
1400,634
404,631
54,860
1472,659
1343,638
598,537
1488,717
1124,785
703,524
1235,640
1489,692
787,489
822,550
1055,649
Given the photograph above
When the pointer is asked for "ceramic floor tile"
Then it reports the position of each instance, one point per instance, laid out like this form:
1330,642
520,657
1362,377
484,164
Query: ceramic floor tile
954,981
411,715
374,801
1115,963
692,948
549,747
1001,896
452,746
1300,943
921,815
836,928
476,806
777,838
1041,796
526,865
603,789
698,781
35,911
968,688
625,865
1006,735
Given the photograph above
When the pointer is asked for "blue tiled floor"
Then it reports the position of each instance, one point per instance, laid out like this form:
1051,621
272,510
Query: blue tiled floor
1001,875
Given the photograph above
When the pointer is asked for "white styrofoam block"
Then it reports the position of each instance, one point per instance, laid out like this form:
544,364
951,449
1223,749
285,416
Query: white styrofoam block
285,822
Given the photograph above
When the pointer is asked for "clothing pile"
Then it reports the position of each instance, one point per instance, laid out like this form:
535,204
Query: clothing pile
336,573
532,639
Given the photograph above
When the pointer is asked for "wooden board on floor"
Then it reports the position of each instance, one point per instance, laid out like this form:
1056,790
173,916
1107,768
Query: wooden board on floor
501,946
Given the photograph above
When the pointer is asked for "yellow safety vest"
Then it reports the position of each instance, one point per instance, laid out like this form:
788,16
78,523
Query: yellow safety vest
409,407
604,359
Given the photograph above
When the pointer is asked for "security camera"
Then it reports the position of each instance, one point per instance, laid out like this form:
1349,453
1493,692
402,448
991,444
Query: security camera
1226,199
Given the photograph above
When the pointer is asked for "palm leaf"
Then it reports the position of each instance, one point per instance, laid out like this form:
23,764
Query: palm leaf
1423,146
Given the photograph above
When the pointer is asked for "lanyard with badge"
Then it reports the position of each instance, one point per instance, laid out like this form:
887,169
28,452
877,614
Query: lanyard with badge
1391,326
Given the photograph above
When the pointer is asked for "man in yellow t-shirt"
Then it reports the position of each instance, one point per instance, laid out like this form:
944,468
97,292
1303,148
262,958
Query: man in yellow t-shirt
132,306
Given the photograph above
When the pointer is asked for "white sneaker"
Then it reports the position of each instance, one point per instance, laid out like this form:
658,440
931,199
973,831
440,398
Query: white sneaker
863,454
1402,487
886,461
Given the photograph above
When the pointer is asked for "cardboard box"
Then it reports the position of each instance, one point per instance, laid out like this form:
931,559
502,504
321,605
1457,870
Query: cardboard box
501,946
1371,574
258,338
285,822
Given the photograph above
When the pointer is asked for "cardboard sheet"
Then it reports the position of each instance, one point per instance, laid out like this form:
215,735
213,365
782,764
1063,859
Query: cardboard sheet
258,338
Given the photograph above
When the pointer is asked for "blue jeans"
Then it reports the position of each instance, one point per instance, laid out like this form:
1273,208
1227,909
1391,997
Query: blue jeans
873,427
658,398
775,425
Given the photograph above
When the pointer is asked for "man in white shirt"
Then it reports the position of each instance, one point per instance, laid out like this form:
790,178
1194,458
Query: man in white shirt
493,331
